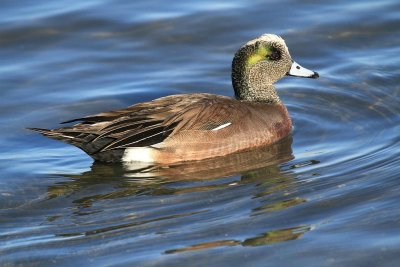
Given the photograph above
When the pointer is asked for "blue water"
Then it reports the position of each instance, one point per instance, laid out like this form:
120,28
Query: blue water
329,198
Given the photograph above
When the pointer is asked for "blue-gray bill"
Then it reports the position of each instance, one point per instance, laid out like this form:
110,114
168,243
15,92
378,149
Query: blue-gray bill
299,71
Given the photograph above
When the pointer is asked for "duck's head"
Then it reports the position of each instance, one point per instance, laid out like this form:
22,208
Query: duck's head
259,64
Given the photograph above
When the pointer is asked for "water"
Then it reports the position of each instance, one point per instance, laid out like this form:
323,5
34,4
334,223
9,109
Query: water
328,198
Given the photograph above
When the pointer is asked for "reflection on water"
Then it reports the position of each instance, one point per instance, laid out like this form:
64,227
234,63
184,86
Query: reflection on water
267,238
135,179
279,205
258,167
124,225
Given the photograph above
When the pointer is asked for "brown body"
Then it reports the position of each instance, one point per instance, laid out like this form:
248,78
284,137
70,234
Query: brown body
178,128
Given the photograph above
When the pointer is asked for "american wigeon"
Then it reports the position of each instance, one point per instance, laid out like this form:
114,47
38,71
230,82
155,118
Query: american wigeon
189,127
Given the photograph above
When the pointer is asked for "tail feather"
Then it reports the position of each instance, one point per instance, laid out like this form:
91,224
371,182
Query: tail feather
40,130
83,141
51,133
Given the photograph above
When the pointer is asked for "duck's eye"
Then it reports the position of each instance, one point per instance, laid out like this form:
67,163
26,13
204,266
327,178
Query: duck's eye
274,55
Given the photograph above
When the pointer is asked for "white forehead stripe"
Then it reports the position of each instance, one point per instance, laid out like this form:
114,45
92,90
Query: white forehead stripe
222,126
270,38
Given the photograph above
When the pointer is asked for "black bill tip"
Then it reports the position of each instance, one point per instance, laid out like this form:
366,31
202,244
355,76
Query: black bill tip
315,75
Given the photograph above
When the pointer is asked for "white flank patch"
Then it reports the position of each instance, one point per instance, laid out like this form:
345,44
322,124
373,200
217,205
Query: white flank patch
139,154
222,126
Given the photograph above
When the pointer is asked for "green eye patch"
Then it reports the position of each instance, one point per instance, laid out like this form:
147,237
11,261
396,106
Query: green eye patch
262,53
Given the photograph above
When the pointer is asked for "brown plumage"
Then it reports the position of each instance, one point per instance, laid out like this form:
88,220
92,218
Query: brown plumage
193,126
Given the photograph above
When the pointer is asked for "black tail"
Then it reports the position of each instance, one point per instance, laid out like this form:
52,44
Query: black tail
84,142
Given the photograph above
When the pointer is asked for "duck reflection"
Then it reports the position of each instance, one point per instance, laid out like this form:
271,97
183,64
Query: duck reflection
268,238
260,165
257,172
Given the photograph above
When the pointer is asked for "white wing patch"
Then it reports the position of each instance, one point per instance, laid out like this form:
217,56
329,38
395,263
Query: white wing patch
138,154
222,126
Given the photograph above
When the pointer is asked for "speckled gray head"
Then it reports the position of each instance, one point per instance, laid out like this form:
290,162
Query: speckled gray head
261,62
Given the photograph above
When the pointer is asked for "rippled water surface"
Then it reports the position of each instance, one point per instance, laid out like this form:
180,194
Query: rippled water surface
327,196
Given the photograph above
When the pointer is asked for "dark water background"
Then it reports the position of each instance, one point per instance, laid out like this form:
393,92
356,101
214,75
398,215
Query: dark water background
330,197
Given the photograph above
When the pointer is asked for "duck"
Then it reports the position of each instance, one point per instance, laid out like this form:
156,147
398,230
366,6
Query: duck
197,126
